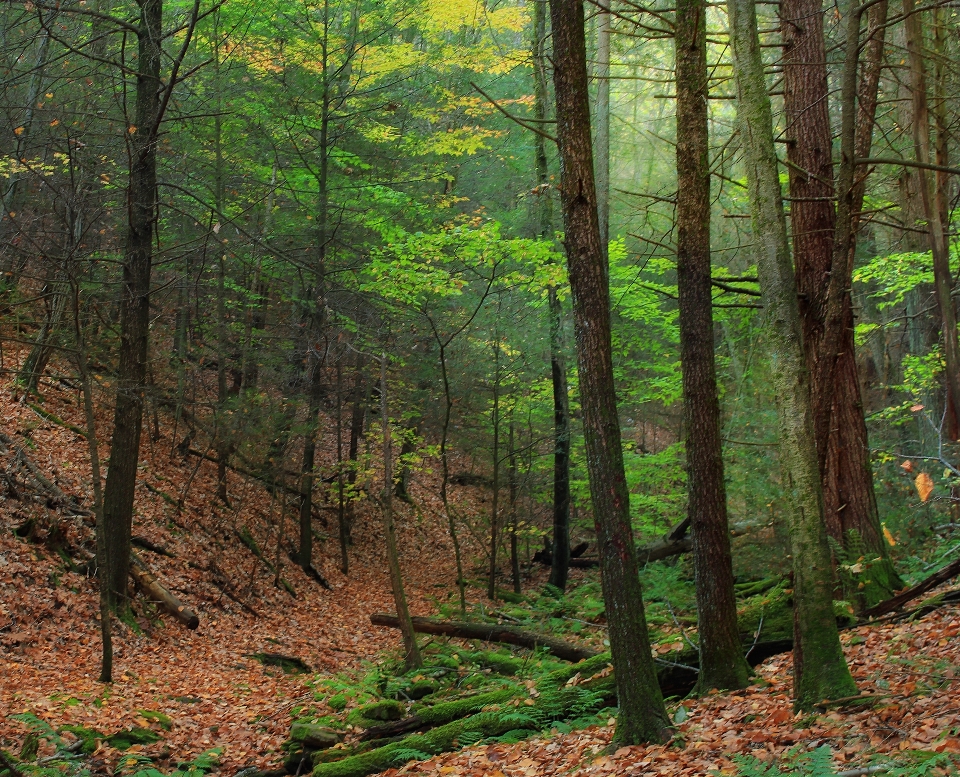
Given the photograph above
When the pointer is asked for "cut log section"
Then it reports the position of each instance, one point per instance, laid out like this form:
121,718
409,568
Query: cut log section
152,588
489,632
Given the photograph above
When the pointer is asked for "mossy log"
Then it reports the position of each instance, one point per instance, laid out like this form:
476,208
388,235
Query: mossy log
490,632
155,591
949,571
556,701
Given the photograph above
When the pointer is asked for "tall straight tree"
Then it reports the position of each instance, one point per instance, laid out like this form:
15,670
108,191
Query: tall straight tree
560,561
643,717
722,664
822,243
820,670
151,98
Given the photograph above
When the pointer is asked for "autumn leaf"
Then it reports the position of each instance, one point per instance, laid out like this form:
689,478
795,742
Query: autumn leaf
907,466
924,484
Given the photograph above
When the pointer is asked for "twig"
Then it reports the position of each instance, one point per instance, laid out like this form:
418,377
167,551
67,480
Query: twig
756,638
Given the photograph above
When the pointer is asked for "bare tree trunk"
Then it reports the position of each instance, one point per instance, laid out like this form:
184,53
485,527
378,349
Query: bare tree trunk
412,659
820,671
495,506
341,485
103,560
558,367
722,664
643,716
602,151
933,211
512,486
134,304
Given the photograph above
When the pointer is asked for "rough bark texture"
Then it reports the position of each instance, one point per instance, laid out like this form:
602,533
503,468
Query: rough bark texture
643,716
134,305
820,671
823,242
721,658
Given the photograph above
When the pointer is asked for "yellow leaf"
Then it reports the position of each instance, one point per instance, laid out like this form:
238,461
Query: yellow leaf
924,484
132,130
889,537
55,122
18,131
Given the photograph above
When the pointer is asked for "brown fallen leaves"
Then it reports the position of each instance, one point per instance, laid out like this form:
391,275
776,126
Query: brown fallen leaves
217,697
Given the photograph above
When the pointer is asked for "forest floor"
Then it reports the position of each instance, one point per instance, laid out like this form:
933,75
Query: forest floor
216,695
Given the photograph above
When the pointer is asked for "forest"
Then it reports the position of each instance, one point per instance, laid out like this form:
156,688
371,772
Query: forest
502,387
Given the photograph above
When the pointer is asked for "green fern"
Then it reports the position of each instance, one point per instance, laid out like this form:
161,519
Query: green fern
400,757
794,762
468,738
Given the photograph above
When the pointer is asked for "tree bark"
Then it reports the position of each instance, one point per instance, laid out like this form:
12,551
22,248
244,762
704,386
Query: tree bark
721,659
643,716
933,207
558,365
412,659
134,303
820,671
823,247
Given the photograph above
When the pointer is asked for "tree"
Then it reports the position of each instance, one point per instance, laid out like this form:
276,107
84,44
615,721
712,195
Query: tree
820,671
823,243
722,664
643,716
152,96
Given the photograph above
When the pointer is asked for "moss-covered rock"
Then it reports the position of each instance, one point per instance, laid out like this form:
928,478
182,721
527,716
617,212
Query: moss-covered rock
313,737
378,712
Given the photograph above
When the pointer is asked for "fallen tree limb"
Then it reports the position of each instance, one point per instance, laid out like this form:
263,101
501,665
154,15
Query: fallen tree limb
155,591
489,632
673,543
143,542
949,571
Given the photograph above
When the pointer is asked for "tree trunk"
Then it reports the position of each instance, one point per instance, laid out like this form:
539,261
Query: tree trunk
134,304
933,213
643,716
823,246
93,448
495,501
558,366
820,671
721,658
412,659
602,151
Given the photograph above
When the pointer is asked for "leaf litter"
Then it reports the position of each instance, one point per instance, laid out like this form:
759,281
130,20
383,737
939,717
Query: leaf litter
202,689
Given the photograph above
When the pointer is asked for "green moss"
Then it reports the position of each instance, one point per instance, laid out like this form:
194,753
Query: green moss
157,717
371,714
337,702
770,612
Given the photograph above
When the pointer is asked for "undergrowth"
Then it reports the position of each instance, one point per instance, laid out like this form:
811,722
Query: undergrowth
800,762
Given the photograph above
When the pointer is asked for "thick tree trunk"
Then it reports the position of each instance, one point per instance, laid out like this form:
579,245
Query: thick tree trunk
134,304
823,244
820,671
721,659
643,716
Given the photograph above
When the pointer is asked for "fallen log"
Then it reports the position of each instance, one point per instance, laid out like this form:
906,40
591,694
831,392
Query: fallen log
673,543
937,578
489,632
156,592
